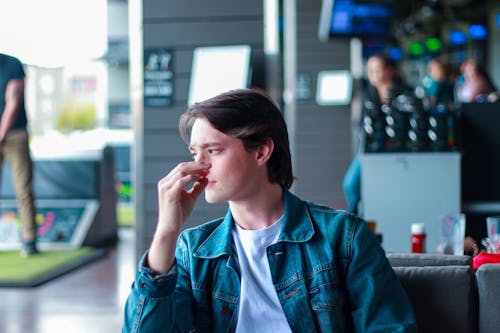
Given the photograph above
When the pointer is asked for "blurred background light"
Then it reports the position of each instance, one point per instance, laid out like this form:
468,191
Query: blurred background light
415,49
433,44
457,37
38,34
395,53
477,32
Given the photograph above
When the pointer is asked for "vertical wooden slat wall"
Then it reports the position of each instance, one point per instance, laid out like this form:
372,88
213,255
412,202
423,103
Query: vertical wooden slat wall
323,134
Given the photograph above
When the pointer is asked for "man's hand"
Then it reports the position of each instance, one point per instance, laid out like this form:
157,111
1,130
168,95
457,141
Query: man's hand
177,193
175,202
14,95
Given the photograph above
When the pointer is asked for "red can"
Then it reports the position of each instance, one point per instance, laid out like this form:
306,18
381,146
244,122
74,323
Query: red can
418,238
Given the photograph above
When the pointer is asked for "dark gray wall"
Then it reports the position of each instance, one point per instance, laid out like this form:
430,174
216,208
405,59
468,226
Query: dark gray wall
322,135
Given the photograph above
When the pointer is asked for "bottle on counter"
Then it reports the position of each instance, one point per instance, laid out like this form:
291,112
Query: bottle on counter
418,238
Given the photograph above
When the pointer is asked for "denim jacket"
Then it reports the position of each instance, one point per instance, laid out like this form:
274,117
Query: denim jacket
328,269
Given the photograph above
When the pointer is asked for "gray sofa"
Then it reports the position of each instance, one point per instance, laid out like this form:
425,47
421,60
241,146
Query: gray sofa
448,295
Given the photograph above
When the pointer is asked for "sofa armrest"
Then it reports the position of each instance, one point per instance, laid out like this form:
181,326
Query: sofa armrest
488,285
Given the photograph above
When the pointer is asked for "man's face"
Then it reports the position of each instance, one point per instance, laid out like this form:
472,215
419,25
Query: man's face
232,173
376,71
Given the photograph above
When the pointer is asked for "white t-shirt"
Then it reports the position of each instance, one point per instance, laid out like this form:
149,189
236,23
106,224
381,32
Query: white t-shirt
260,309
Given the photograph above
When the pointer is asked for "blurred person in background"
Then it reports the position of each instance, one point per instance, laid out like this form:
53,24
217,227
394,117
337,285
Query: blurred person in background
437,84
384,84
476,84
14,146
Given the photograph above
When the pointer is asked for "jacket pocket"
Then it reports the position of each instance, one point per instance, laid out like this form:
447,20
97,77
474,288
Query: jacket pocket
326,297
328,302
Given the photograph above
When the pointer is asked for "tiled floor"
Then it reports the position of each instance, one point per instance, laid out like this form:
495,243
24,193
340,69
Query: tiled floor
90,299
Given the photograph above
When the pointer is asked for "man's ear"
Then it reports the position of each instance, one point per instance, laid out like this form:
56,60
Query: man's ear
263,152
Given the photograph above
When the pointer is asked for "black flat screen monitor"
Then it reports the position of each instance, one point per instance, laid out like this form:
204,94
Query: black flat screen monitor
480,134
355,18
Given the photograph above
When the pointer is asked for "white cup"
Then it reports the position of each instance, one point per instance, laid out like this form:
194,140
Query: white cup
493,229
452,234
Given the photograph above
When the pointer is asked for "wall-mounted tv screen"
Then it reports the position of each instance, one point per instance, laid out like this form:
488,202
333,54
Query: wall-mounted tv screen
355,18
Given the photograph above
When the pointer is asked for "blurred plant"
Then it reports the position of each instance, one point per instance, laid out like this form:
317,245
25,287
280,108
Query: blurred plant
76,115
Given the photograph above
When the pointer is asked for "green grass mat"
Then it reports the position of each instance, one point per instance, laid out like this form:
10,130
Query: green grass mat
16,271
125,215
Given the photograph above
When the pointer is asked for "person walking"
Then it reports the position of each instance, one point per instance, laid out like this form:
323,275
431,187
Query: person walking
14,146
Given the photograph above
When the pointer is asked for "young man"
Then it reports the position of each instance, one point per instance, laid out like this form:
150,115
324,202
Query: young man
274,263
14,146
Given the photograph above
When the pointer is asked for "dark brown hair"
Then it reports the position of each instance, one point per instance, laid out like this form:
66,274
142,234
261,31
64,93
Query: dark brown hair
389,63
251,116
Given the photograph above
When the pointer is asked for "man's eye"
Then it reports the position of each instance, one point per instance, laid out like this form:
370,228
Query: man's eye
213,151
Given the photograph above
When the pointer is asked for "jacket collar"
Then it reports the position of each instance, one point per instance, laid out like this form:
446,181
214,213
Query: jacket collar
297,227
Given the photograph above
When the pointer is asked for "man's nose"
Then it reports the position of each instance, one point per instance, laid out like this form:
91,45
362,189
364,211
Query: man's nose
201,157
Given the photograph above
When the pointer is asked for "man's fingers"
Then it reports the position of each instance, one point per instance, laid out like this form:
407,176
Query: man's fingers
198,187
184,181
181,171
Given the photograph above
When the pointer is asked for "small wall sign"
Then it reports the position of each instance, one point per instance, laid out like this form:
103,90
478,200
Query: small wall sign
158,77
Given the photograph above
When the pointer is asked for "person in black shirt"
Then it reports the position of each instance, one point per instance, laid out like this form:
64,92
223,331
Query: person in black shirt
14,146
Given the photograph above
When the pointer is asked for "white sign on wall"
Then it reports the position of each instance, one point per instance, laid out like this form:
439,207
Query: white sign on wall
218,69
334,88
